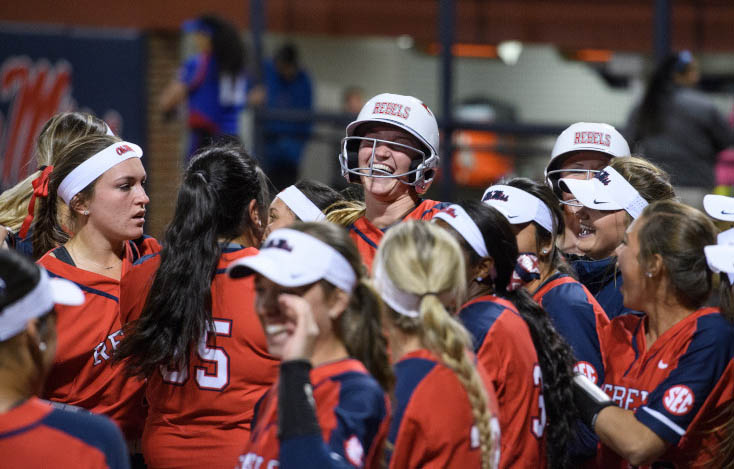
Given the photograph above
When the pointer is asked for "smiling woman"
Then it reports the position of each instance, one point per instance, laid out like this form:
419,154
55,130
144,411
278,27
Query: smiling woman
392,150
100,179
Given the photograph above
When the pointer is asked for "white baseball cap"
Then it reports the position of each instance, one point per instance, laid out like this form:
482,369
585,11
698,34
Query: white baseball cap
37,302
588,136
607,190
720,256
293,258
519,206
720,207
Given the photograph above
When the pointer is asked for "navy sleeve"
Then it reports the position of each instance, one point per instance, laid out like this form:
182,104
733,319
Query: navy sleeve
359,413
574,318
95,430
674,403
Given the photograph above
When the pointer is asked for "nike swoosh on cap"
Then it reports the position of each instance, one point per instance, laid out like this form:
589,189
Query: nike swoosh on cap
602,202
512,216
724,212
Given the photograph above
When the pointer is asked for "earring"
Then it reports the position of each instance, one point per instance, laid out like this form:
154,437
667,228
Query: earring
649,274
545,251
85,212
479,279
42,346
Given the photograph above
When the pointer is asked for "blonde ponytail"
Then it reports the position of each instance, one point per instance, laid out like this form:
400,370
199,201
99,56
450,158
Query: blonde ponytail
424,260
345,212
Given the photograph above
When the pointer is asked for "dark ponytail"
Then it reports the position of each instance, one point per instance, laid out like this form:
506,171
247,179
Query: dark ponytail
555,357
212,207
359,327
48,231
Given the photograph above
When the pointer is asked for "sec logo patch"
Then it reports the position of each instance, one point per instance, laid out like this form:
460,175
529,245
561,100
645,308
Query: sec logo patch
587,369
678,400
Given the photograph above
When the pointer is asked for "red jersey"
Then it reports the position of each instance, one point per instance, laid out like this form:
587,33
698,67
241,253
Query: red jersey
36,435
367,236
678,388
201,415
352,411
88,335
505,351
433,425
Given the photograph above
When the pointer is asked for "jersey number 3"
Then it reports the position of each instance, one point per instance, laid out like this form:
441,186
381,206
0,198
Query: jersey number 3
216,356
537,425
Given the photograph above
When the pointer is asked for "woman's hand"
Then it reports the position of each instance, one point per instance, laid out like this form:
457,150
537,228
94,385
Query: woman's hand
302,327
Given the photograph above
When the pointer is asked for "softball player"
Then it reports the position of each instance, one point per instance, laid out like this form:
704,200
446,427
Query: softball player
18,204
197,339
580,151
445,409
392,150
68,438
670,372
529,364
100,179
608,204
323,320
303,201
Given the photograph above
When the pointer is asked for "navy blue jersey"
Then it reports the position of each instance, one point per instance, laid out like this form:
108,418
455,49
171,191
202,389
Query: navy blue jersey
38,435
604,281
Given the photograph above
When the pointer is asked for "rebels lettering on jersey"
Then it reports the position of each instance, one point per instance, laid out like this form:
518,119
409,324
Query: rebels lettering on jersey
578,318
506,353
678,388
367,236
37,435
88,334
352,411
424,434
211,399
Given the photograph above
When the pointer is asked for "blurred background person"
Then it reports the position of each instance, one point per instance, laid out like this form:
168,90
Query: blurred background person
287,86
212,81
679,128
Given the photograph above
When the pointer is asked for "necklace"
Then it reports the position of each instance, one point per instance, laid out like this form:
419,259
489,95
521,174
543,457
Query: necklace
75,256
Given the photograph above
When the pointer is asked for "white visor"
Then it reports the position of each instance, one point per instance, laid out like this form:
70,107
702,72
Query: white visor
84,174
720,257
607,190
292,258
300,205
402,302
519,206
459,220
37,302
720,207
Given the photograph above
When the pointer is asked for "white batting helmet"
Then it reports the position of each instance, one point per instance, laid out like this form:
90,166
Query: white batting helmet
406,113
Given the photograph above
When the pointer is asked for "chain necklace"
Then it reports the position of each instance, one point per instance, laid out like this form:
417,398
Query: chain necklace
77,257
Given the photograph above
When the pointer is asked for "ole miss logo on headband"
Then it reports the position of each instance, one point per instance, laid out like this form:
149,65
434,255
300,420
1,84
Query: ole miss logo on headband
449,211
278,244
122,149
603,176
496,195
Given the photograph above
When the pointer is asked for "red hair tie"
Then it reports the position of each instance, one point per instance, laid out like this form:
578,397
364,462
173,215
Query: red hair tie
40,189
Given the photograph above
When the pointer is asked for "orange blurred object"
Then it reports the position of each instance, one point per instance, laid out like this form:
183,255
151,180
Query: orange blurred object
475,162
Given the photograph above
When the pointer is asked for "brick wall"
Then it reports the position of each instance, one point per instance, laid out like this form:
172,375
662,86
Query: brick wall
164,147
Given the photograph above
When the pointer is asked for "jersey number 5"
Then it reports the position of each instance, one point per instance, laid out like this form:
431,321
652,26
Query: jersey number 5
537,425
214,355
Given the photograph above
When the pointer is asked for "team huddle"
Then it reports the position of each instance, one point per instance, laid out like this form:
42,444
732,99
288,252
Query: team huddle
561,323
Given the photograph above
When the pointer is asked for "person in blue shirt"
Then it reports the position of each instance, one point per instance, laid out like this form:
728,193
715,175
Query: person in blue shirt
287,87
212,81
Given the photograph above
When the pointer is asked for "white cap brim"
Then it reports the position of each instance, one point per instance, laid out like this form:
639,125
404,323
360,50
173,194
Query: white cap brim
590,194
65,292
719,207
267,264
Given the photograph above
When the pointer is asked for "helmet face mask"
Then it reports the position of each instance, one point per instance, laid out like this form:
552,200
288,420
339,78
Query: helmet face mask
404,113
421,169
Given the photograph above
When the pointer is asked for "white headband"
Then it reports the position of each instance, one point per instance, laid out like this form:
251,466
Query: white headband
720,256
37,302
300,204
519,206
84,174
459,220
407,304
